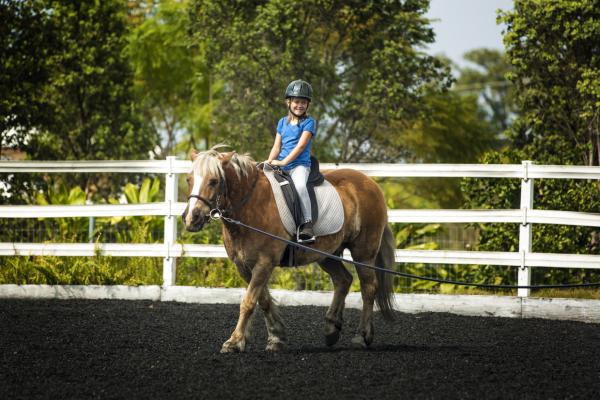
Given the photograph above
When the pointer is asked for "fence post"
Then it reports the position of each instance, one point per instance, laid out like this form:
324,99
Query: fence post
91,223
525,236
169,263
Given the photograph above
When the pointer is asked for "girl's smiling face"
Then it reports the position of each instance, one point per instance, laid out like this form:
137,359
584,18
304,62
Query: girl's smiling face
298,105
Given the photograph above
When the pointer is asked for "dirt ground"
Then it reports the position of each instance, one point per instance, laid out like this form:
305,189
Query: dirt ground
81,349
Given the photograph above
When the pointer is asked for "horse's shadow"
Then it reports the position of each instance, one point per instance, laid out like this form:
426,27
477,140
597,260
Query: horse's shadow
385,348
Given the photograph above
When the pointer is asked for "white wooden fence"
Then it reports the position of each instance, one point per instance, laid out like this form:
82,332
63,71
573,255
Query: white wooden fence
171,209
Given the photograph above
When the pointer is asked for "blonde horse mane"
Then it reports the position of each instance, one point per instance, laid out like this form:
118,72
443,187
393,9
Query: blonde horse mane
208,163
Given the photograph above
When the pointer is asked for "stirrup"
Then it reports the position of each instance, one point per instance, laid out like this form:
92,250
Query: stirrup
303,237
308,240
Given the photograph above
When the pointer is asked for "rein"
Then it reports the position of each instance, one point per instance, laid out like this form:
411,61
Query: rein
218,214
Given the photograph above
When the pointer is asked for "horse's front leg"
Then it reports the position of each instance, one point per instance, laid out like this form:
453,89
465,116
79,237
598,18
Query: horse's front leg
258,282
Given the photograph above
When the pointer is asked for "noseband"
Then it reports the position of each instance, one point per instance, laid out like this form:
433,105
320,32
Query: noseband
205,201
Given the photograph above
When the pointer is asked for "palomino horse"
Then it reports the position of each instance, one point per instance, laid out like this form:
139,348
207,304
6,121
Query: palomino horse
234,184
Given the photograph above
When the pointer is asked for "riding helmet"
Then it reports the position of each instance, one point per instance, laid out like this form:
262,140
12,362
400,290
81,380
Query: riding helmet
299,88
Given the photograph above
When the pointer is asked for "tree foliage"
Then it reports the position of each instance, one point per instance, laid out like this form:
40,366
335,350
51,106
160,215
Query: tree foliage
175,90
488,80
24,70
83,81
553,48
455,130
363,58
66,84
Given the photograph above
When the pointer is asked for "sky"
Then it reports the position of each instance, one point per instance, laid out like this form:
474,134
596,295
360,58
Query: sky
463,25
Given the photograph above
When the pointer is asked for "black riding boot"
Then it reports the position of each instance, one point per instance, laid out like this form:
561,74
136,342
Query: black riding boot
306,235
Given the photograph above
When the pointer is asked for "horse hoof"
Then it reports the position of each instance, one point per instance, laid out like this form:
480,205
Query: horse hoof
332,337
231,347
275,346
358,342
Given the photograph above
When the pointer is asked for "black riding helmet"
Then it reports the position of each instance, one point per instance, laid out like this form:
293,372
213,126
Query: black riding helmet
299,88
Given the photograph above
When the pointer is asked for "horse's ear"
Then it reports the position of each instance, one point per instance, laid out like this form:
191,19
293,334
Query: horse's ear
193,154
226,157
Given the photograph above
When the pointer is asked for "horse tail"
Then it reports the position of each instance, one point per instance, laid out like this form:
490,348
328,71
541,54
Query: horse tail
386,258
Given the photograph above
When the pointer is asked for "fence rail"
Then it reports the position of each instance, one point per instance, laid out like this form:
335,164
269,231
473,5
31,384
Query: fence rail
217,251
172,165
406,216
525,259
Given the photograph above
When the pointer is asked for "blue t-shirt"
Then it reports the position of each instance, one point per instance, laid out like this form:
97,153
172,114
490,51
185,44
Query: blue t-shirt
290,136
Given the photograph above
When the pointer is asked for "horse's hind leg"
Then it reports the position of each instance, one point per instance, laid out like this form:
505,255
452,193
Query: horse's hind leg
342,279
275,327
368,289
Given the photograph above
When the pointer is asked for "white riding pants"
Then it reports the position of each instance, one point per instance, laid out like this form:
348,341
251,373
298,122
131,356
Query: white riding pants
299,175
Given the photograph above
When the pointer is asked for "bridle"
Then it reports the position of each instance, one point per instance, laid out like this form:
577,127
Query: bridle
214,204
211,203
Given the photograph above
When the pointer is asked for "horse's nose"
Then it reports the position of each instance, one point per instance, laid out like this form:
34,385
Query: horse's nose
196,222
183,215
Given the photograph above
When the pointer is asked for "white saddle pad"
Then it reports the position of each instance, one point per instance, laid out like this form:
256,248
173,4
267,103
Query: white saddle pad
331,210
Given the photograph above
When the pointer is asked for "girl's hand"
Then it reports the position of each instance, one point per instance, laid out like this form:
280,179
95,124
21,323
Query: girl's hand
277,163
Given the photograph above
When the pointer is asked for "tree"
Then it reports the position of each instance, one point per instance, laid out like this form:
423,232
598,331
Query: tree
363,58
67,85
554,50
24,70
488,80
175,90
454,131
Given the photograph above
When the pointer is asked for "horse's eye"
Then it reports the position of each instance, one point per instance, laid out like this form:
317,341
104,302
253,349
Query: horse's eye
188,180
213,182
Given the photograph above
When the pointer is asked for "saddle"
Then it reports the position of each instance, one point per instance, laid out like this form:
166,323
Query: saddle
315,178
327,208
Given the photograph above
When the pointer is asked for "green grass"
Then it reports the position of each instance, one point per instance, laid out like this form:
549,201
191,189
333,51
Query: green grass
207,272
98,270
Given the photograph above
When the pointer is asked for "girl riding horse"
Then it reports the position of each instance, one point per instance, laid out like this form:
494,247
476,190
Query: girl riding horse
234,185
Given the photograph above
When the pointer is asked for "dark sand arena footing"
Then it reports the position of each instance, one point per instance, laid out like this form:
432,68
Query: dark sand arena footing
81,349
